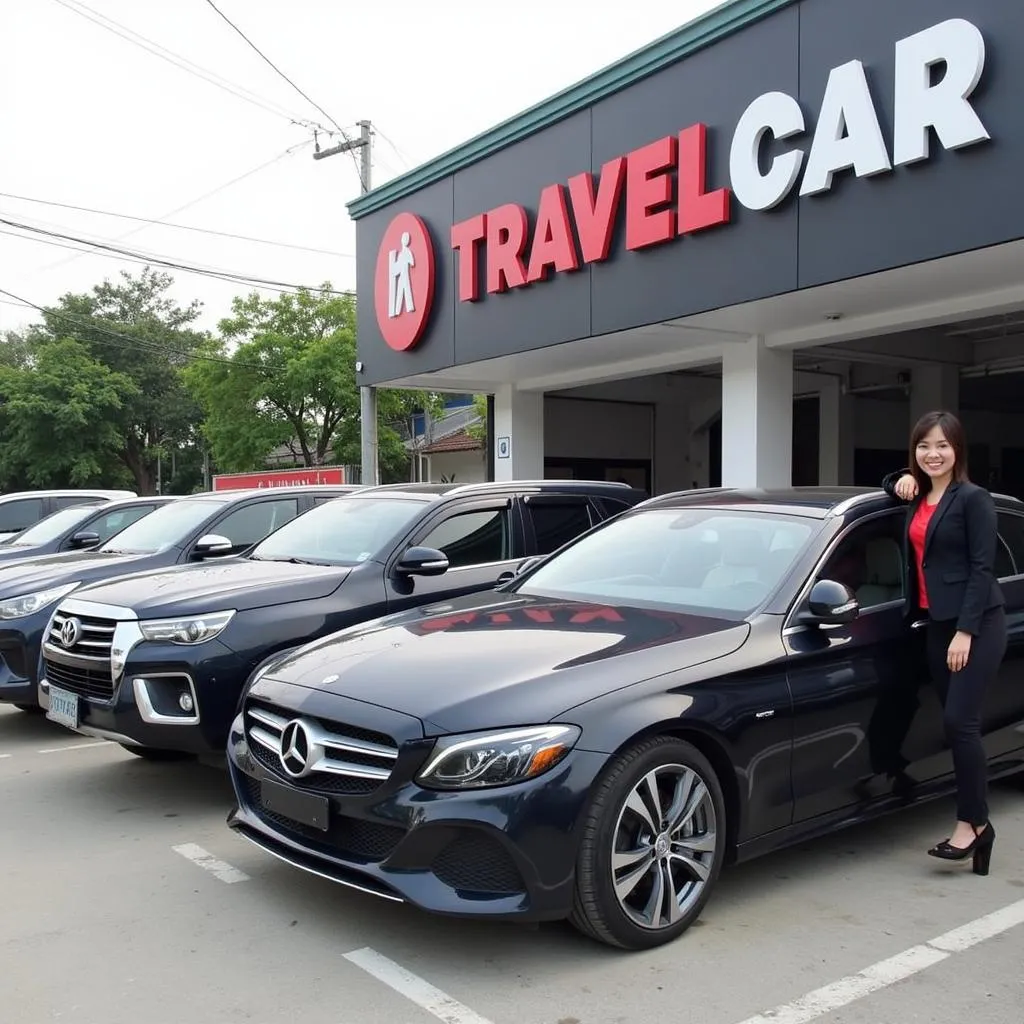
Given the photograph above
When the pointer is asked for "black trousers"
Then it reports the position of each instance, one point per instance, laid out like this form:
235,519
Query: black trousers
962,694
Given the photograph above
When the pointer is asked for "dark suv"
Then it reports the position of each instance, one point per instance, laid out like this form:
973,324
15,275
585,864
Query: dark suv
189,530
156,661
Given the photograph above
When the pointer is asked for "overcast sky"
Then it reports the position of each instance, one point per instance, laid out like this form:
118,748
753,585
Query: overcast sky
91,119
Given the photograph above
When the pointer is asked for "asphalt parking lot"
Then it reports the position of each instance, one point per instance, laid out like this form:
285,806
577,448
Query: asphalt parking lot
125,898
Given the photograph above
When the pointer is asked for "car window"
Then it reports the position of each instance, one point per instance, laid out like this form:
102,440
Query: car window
557,524
249,525
707,561
117,520
168,526
68,500
16,516
52,527
869,560
1011,529
473,538
342,532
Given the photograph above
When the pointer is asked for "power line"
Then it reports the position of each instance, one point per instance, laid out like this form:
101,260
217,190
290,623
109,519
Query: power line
183,63
192,202
182,227
301,92
153,259
140,344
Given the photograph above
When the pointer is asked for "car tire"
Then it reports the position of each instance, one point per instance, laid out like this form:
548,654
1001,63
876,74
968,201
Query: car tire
662,884
155,753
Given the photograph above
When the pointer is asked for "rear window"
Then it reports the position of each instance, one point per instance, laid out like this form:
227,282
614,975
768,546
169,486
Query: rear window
557,524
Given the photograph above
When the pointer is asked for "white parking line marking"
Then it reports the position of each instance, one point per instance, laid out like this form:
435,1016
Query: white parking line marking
73,746
218,868
896,968
414,988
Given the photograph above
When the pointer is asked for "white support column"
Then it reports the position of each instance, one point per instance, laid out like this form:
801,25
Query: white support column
757,415
934,386
518,434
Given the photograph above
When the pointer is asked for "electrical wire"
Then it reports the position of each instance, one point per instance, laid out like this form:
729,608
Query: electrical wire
182,227
192,202
57,238
138,344
183,63
302,93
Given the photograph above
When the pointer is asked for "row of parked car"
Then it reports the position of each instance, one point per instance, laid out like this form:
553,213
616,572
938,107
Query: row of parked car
523,700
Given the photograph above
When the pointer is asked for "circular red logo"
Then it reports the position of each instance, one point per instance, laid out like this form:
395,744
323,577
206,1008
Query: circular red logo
403,284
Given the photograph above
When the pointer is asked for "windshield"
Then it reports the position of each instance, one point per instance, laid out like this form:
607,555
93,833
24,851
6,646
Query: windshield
703,561
168,526
345,531
53,526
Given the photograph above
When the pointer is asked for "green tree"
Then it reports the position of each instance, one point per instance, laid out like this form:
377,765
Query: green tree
290,382
137,332
59,416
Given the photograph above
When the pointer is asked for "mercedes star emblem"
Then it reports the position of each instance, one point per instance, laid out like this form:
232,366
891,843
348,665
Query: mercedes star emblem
70,632
295,749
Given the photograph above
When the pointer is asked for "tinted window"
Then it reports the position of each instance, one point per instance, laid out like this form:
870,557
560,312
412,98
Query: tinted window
555,525
472,538
250,524
17,515
53,526
67,501
343,532
1011,528
700,560
116,520
869,560
169,526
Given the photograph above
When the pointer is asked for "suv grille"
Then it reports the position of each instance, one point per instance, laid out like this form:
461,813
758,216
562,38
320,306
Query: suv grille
87,672
341,758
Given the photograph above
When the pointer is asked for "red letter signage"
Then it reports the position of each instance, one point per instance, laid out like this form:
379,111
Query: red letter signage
595,217
698,209
466,238
648,186
506,242
553,245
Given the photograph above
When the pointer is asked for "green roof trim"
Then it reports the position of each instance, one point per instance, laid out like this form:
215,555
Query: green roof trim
724,20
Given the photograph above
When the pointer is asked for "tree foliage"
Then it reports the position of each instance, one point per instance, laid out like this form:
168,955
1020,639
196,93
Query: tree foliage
289,382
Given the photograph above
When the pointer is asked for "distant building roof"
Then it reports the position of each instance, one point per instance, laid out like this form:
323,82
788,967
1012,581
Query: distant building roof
460,442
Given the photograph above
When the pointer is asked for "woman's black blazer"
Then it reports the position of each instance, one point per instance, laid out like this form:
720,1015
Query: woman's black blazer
959,554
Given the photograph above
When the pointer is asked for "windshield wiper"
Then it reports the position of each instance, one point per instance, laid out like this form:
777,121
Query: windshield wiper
293,560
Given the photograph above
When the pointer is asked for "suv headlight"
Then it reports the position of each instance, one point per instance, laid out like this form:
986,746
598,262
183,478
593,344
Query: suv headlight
191,629
26,604
497,758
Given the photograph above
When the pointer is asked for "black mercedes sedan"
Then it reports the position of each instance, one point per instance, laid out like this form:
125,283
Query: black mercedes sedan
188,638
188,531
701,680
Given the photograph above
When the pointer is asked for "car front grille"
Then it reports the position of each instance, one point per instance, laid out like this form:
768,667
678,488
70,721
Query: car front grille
87,669
343,759
87,682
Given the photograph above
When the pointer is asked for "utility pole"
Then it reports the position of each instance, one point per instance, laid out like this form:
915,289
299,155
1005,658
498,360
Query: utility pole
367,395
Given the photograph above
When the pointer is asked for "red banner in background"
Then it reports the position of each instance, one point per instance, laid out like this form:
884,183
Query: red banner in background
280,478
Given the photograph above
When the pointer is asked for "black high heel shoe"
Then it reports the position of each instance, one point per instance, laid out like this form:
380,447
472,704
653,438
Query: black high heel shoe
980,849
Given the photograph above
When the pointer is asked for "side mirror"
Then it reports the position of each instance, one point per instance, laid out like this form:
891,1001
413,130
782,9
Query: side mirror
419,561
526,563
211,545
830,604
84,539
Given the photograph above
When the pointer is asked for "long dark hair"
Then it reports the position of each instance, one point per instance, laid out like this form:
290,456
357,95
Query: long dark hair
952,429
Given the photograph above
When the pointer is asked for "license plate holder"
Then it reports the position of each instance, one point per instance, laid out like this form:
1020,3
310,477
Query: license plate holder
304,808
63,707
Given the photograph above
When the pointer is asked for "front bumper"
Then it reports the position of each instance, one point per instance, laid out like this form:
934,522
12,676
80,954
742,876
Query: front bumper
143,709
506,853
19,659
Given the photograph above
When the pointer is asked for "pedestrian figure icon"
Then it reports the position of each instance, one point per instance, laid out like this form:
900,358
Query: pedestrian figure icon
400,263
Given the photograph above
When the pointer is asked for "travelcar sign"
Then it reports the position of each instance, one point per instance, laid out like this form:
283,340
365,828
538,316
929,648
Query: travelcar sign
280,478
663,185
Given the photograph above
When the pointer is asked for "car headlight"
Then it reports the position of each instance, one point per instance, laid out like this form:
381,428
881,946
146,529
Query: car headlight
191,629
26,604
497,758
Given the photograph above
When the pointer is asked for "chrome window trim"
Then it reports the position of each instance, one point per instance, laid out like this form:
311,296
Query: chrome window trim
789,627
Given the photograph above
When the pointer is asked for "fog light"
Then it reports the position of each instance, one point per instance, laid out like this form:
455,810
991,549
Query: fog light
185,702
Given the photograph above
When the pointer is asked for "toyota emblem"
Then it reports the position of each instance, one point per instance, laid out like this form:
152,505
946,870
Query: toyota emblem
70,632
296,747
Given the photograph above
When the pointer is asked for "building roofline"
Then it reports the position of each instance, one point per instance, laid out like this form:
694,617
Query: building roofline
724,20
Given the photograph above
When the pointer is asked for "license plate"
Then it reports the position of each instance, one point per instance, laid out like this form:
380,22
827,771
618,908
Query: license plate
63,707
305,808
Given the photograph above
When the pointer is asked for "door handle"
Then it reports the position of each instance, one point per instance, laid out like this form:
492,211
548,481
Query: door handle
920,624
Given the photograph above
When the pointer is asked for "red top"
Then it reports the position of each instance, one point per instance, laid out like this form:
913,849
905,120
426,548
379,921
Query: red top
918,531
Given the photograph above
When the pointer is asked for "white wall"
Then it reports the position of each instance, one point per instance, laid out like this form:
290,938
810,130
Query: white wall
462,467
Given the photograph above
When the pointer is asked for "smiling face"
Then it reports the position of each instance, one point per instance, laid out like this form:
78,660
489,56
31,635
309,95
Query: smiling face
935,455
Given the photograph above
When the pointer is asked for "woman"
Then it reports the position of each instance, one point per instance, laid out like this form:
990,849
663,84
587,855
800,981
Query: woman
951,546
